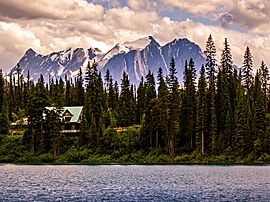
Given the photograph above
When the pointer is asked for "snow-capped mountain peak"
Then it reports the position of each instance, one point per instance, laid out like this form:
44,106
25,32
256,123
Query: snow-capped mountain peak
117,49
136,58
141,43
152,41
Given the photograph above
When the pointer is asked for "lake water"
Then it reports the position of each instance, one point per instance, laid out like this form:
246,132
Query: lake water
134,183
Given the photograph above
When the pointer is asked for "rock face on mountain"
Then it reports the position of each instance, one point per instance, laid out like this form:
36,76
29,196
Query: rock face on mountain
136,58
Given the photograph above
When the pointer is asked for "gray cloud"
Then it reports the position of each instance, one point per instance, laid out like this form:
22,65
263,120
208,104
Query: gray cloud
226,19
49,25
251,13
50,9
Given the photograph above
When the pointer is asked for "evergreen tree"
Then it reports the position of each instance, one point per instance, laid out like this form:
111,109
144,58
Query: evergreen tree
162,111
188,107
78,95
226,59
38,100
247,69
210,63
4,129
52,128
126,111
150,122
225,101
68,101
173,107
2,90
211,124
264,74
259,117
140,101
201,111
93,108
242,140
10,97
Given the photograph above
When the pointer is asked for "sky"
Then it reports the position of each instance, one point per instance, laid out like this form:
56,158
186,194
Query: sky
52,25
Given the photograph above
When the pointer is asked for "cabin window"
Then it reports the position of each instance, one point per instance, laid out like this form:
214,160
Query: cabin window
67,118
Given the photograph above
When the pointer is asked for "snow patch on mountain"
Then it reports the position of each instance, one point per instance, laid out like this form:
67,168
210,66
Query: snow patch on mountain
136,58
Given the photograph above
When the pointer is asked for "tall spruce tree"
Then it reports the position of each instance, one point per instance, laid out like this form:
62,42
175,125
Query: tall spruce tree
201,112
264,76
125,110
140,101
150,124
259,125
52,128
93,108
226,59
188,107
3,109
78,94
242,139
211,124
38,100
210,63
225,101
163,111
68,101
247,69
173,107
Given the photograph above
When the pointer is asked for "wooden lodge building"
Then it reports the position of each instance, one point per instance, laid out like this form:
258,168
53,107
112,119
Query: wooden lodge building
71,118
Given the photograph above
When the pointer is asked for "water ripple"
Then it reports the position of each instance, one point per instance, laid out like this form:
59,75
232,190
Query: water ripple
134,183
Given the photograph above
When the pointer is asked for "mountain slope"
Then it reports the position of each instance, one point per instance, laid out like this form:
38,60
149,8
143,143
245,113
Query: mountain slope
136,58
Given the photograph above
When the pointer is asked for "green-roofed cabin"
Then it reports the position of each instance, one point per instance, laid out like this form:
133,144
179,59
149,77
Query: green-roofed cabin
71,119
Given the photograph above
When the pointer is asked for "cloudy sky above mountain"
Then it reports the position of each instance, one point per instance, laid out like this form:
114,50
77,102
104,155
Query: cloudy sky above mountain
50,25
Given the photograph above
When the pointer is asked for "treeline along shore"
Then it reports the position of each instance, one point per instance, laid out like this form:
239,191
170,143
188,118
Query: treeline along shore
220,117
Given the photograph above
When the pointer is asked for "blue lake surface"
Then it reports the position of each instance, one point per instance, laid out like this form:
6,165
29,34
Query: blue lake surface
134,183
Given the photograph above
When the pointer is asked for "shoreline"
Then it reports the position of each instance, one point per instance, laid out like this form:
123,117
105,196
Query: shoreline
143,164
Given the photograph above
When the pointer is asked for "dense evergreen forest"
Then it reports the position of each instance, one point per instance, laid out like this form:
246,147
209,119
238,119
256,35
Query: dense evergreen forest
220,116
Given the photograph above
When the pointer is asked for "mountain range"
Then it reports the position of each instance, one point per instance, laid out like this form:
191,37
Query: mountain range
135,58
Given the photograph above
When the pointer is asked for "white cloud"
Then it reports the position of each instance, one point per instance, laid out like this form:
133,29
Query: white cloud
64,9
48,26
135,4
14,39
206,7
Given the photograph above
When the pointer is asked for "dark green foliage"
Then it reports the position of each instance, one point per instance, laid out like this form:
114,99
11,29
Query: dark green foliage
162,105
150,120
93,108
225,101
201,112
68,100
77,92
247,69
140,102
52,136
2,90
210,63
259,124
126,103
222,119
188,107
34,137
210,133
173,107
226,59
264,76
242,139
4,126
